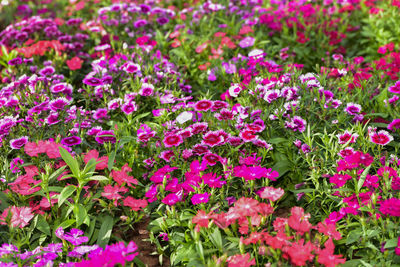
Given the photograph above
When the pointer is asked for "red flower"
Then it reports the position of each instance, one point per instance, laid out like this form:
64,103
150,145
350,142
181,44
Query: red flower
240,260
93,154
201,219
122,177
135,204
246,206
203,105
300,253
299,220
112,192
326,256
74,63
176,43
212,139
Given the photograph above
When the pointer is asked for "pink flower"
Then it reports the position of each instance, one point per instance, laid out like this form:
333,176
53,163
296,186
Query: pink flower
212,138
339,179
200,198
390,207
352,109
172,199
21,216
248,136
203,105
271,193
144,133
395,124
172,140
395,89
346,137
380,138
296,124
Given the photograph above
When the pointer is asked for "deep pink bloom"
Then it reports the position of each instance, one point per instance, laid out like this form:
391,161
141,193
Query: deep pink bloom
200,198
172,140
203,105
212,138
380,138
395,124
390,207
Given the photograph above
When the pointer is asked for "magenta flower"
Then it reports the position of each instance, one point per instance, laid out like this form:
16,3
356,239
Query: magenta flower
339,179
146,90
395,89
172,140
144,133
296,124
353,109
203,105
390,207
58,104
129,107
105,137
92,81
71,141
75,237
19,142
395,124
212,139
172,199
380,138
200,198
346,137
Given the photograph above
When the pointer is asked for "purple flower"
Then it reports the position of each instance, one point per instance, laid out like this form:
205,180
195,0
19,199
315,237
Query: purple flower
7,249
247,42
61,88
19,142
131,67
128,108
94,130
52,118
105,137
352,108
58,104
75,238
200,198
47,71
14,165
395,89
139,23
15,61
162,20
92,81
100,113
71,141
79,251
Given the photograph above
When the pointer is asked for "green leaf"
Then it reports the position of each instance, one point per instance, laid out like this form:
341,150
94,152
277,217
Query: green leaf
111,159
216,239
56,174
98,178
362,178
105,231
66,224
80,214
282,167
392,243
43,226
277,140
71,162
65,193
353,236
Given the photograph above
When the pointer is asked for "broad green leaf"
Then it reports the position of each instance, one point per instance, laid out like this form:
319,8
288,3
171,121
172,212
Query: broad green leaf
105,231
392,243
43,226
66,224
65,193
71,162
353,236
362,178
80,214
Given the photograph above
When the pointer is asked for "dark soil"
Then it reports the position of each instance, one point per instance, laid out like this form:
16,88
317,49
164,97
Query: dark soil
145,248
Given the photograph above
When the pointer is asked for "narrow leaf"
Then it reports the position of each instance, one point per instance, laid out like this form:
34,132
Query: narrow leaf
65,193
105,231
